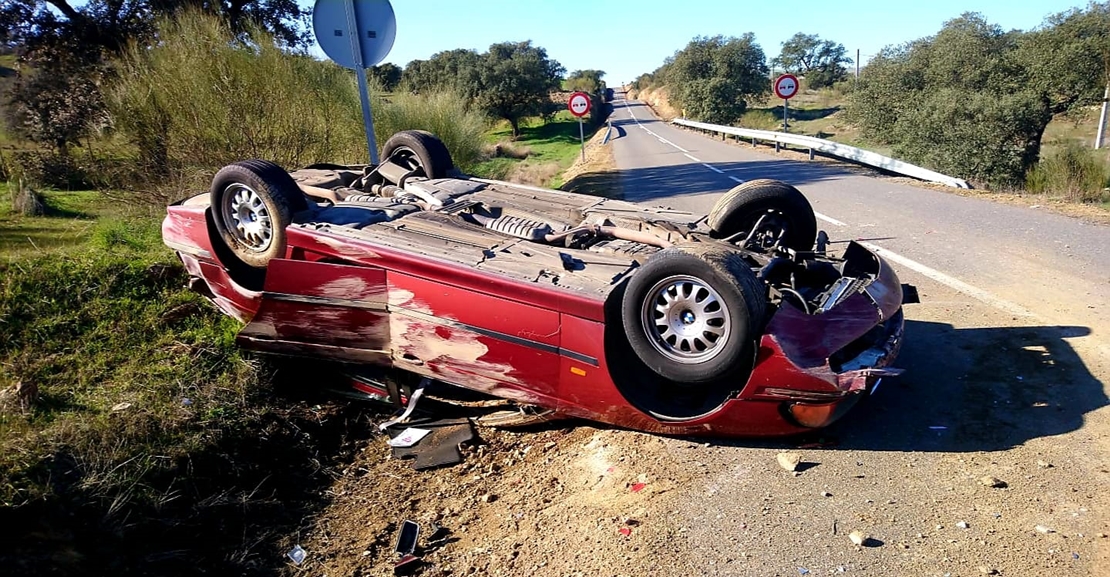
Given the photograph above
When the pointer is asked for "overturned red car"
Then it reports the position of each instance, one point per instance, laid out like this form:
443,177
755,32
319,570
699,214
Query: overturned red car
740,322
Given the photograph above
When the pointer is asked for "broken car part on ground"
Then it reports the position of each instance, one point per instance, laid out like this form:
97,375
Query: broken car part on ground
740,322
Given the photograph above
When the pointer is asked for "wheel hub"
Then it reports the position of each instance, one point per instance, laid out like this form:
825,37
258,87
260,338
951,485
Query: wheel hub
685,319
247,217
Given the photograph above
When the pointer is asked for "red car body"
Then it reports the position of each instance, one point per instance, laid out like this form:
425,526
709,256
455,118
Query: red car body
335,295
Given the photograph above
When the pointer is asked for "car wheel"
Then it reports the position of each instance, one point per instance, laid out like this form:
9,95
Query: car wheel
772,208
691,316
415,149
252,203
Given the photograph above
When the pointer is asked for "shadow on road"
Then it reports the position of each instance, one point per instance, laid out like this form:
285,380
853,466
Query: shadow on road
657,184
977,389
966,390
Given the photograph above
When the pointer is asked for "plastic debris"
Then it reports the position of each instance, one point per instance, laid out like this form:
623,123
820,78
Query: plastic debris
407,538
121,407
297,554
407,564
408,437
962,524
858,537
625,531
637,487
803,571
1043,529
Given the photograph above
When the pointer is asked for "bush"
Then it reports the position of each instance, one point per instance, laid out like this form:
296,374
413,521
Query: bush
49,168
987,138
203,97
760,120
441,113
1076,173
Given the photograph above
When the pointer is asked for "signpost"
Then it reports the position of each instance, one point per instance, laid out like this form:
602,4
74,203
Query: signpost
356,34
786,86
579,106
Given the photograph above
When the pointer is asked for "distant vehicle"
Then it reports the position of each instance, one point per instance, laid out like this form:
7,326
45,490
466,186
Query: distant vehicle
732,323
608,94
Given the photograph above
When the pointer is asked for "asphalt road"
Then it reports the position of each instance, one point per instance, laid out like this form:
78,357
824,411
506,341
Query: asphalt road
1007,372
1026,261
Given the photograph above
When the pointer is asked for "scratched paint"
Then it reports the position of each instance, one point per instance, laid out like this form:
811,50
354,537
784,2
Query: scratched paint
353,287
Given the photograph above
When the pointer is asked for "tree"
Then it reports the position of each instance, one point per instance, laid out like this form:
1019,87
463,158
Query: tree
822,62
959,102
451,70
1067,58
387,75
712,77
515,80
588,81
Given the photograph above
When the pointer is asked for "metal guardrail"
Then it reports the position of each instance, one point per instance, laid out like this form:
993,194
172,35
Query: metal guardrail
832,148
608,132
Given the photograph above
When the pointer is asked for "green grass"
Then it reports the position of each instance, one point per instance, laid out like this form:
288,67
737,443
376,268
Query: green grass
72,223
552,147
151,432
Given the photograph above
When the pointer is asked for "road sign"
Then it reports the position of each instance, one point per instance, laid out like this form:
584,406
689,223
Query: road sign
356,34
579,104
354,40
786,86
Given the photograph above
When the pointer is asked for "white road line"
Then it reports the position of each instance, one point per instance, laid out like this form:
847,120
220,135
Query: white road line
660,138
740,180
952,282
687,155
828,219
713,168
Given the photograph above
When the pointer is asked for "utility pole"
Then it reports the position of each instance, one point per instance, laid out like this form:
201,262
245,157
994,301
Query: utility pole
857,64
1102,118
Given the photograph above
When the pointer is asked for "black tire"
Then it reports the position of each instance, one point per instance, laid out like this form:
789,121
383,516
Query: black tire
729,314
265,196
419,149
785,207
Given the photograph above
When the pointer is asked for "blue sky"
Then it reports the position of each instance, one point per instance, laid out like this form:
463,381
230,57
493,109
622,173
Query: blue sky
626,38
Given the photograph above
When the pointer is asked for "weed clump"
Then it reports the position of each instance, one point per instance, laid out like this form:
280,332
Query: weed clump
1073,172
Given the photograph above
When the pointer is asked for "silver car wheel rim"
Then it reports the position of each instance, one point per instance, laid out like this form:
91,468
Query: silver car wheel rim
685,319
247,217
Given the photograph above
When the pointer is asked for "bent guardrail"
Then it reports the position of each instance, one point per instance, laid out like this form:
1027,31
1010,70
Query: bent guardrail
833,149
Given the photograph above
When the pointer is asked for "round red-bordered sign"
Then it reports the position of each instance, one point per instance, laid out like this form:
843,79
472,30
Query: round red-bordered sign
579,104
786,86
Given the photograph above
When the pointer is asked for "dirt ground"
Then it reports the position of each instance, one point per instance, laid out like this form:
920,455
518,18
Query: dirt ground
985,395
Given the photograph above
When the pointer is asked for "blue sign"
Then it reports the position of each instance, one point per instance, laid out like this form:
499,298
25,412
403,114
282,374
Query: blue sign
354,33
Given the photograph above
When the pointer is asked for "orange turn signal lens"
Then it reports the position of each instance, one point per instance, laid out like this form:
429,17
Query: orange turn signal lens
816,415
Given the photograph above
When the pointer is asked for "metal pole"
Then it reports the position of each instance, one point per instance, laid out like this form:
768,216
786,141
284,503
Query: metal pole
785,109
857,63
360,72
582,138
1102,118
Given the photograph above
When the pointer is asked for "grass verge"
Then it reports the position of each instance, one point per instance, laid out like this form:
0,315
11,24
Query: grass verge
135,437
538,156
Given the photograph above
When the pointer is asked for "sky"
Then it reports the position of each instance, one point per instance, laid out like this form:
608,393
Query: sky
626,38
